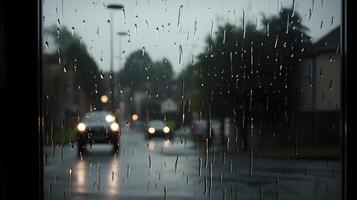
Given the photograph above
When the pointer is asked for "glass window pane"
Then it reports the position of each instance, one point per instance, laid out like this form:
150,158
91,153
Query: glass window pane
192,99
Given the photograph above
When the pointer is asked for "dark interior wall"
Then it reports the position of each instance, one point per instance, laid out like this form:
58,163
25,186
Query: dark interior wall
20,171
3,187
2,52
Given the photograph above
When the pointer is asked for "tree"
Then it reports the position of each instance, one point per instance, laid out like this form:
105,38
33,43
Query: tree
150,109
141,74
72,55
249,75
136,70
161,78
70,78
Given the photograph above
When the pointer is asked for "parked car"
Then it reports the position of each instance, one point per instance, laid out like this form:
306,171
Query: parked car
97,127
157,128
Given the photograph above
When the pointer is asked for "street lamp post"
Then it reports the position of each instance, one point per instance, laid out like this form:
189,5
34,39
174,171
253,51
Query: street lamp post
112,7
121,34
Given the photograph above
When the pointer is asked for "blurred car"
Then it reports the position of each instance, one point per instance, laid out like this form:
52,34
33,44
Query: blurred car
157,128
200,130
97,127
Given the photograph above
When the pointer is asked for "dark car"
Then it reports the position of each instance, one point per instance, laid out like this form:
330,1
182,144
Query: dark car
157,128
97,127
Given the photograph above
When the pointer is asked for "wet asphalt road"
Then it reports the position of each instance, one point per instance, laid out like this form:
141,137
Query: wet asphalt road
160,169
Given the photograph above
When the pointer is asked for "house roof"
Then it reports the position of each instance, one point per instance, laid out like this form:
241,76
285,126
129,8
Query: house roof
329,42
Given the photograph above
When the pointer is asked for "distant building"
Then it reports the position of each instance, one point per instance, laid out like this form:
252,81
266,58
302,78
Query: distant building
320,76
168,105
319,101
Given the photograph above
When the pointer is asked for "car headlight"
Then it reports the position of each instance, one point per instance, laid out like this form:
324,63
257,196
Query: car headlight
109,118
81,127
166,129
151,130
114,126
135,117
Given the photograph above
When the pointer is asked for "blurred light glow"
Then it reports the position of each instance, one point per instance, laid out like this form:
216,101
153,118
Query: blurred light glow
104,99
109,118
166,129
81,175
151,145
167,144
114,126
151,130
81,127
134,117
113,178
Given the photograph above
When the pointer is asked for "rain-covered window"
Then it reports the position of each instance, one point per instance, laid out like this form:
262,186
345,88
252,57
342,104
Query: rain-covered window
207,99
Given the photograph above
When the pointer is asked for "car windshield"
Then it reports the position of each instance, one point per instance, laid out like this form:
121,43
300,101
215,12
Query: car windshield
156,124
95,117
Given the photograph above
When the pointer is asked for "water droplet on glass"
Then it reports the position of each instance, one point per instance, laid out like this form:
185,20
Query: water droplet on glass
176,163
147,24
210,180
58,32
157,31
256,23
157,88
251,162
287,24
124,15
143,51
211,27
59,56
127,171
179,16
165,192
231,60
293,9
122,55
149,161
72,33
244,26
180,53
224,192
199,166
251,58
50,191
195,28
224,37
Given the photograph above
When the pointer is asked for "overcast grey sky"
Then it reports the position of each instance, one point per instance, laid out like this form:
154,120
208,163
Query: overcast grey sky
149,14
